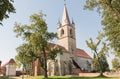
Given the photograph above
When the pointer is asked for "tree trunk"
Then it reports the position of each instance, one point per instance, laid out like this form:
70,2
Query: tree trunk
45,64
33,66
23,72
100,65
101,73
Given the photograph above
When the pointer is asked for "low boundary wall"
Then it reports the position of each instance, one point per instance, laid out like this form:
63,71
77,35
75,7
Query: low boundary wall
89,74
97,74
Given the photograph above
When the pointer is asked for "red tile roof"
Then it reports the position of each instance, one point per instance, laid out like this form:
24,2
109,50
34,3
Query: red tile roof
82,53
52,45
11,61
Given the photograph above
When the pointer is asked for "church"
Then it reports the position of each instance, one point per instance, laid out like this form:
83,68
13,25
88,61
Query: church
73,60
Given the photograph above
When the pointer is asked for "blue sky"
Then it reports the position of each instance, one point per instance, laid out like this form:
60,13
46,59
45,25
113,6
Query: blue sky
87,22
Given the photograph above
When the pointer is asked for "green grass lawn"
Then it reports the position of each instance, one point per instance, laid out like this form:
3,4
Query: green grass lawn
4,78
70,77
60,77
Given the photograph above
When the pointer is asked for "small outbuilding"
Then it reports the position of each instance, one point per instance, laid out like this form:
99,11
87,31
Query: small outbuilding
9,69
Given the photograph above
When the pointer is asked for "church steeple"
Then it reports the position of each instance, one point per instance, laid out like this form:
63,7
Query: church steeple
66,33
65,17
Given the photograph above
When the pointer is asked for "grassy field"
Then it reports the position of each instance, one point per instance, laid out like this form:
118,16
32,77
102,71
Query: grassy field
4,78
60,77
70,77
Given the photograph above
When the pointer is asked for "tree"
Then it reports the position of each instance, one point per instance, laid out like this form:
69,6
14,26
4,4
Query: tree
105,65
24,57
96,67
110,10
99,55
103,60
116,63
38,37
6,7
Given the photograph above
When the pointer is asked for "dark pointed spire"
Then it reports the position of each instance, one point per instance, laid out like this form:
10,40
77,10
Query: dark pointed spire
59,23
64,1
73,22
65,18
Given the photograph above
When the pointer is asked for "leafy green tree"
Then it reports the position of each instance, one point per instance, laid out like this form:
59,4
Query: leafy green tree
96,67
103,60
105,65
99,55
110,10
6,7
116,63
24,57
38,37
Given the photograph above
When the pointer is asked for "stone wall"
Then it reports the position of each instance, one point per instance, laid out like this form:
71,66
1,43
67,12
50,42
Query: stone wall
89,74
85,64
108,74
76,71
112,74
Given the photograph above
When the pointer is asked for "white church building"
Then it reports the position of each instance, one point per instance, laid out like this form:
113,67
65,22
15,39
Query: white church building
73,60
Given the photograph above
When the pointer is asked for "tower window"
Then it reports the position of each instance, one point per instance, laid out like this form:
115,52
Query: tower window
71,33
72,51
62,32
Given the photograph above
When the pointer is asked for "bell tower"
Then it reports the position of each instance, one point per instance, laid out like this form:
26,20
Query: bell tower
66,33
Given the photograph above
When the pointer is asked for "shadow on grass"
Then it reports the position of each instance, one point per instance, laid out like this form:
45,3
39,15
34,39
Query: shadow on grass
75,77
70,77
99,77
4,77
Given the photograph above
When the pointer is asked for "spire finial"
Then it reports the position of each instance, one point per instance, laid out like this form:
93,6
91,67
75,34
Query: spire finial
65,18
64,2
73,22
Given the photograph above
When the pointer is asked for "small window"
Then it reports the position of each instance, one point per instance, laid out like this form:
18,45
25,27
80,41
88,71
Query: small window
71,33
62,32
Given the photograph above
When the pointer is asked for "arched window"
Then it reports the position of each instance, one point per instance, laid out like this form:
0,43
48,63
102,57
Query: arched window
71,33
62,32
